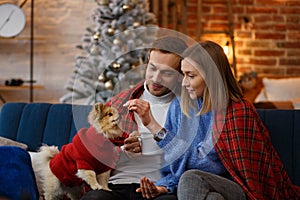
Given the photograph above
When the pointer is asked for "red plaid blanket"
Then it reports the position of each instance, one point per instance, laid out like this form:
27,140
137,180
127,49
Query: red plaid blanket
245,149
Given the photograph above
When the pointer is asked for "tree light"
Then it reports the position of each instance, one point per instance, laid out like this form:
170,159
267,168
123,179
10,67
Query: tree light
226,48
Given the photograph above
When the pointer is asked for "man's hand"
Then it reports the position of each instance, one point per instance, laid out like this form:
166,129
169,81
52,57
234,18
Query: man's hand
132,144
149,190
142,108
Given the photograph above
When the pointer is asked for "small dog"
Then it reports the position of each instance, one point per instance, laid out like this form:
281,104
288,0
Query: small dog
89,158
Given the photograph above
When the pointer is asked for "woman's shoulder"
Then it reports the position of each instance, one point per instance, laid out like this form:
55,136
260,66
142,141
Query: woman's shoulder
242,103
241,107
175,102
175,106
241,115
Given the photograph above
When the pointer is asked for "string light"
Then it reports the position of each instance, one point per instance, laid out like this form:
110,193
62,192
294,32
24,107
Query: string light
226,48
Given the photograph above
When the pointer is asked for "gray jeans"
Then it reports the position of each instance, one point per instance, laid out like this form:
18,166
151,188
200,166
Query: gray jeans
199,185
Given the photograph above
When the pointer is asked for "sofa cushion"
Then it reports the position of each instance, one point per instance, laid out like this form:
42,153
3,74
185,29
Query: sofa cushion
42,123
9,122
32,124
63,122
296,147
284,126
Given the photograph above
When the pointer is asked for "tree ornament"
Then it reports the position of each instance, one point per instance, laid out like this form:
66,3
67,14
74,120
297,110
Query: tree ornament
126,7
109,85
116,66
102,2
110,31
102,77
96,36
127,32
136,24
94,50
117,42
134,65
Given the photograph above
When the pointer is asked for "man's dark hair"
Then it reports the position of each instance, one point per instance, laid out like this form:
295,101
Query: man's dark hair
169,44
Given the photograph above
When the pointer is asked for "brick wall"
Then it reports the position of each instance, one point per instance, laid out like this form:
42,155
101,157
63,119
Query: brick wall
266,32
267,35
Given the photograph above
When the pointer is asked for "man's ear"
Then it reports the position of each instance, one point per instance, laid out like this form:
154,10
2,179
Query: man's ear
179,80
180,76
147,56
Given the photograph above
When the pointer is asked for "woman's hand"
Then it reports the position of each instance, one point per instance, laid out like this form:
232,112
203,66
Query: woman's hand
149,190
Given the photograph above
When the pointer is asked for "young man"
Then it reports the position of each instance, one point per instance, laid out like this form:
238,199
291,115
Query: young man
161,78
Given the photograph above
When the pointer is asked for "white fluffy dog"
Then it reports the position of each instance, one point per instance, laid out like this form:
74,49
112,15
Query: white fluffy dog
88,158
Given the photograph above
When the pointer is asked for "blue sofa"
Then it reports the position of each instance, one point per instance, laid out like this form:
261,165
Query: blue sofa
55,124
42,123
33,124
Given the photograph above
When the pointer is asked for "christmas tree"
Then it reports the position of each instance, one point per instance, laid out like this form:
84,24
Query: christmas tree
113,49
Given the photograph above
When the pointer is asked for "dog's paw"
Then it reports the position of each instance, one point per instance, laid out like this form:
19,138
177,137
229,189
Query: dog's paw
107,189
96,187
99,187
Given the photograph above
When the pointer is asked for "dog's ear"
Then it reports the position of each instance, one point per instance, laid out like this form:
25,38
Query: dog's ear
99,108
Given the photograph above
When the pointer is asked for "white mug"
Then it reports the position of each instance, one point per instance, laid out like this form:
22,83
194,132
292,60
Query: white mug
148,144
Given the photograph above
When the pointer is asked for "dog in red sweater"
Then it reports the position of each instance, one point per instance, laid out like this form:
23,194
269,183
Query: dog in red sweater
89,158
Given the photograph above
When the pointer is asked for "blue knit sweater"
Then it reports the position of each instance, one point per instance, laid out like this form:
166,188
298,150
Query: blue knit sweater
187,145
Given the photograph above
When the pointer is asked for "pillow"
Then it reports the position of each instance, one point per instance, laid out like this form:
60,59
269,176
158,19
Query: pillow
8,142
261,97
284,89
16,174
296,103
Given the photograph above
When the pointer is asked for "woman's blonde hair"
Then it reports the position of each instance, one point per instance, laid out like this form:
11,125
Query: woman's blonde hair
221,86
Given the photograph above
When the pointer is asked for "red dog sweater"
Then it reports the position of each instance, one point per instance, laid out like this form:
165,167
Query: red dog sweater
89,150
